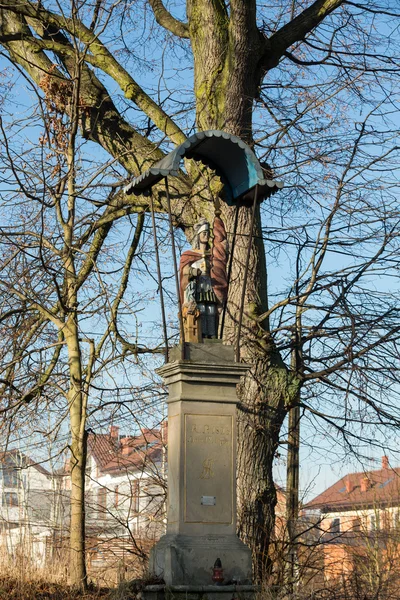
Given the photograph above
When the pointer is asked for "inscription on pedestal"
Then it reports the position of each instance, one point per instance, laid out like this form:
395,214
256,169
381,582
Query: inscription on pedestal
208,468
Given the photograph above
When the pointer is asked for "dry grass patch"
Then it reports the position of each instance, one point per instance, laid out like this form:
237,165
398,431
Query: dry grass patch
15,589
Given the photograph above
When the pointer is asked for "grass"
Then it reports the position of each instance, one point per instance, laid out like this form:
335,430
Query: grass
12,588
22,579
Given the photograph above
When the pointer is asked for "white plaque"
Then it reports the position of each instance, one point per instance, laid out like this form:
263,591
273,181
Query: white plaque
208,500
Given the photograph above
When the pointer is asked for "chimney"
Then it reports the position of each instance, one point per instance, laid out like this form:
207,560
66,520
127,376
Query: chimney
385,462
125,447
114,432
349,486
365,484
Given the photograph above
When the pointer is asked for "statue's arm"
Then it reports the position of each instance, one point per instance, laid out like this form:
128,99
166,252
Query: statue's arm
189,273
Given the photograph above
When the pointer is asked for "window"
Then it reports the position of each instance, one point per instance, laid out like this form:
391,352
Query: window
356,524
10,477
116,498
10,499
135,496
102,501
335,526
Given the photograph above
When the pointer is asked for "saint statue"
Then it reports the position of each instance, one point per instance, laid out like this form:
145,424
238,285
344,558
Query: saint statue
203,281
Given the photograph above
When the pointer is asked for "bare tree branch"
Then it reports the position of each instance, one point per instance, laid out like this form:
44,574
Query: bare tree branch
166,20
296,30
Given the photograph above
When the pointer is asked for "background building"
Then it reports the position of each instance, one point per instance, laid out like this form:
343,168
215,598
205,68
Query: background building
27,500
124,505
359,518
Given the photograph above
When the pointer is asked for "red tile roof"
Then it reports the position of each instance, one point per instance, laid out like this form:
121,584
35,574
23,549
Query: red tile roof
102,447
358,490
113,453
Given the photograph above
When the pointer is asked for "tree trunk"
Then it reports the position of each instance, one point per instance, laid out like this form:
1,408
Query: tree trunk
226,52
77,409
265,395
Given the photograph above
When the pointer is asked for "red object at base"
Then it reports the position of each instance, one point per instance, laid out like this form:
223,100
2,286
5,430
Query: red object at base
218,572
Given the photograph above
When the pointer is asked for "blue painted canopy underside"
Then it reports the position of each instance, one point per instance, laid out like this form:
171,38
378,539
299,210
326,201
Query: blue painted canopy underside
232,159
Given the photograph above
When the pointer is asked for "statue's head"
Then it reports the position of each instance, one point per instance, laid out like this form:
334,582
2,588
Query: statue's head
201,233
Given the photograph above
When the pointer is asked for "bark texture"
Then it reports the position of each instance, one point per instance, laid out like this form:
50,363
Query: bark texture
226,51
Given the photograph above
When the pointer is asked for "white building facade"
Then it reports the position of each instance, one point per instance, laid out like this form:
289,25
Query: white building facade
27,497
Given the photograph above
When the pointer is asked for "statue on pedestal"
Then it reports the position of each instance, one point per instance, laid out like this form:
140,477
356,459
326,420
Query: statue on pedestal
203,281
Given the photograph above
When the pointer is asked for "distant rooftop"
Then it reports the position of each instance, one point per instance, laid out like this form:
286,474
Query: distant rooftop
113,452
380,487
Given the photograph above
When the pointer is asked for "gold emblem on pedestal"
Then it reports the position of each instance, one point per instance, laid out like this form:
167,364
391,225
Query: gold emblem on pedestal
207,472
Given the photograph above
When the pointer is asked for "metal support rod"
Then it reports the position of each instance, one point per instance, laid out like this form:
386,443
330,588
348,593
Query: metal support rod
229,269
153,220
246,270
171,231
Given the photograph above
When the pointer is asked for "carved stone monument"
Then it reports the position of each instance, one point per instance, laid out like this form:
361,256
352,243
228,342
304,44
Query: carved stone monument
201,518
201,547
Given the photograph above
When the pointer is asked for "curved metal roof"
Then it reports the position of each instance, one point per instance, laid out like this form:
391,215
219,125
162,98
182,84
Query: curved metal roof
232,159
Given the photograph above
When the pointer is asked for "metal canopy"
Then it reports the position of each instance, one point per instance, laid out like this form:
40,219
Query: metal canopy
229,156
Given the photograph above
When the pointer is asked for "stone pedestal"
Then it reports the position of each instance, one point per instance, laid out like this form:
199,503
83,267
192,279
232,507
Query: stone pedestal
201,519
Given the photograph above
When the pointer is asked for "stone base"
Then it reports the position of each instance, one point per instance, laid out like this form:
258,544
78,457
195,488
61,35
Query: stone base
204,592
189,560
210,351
